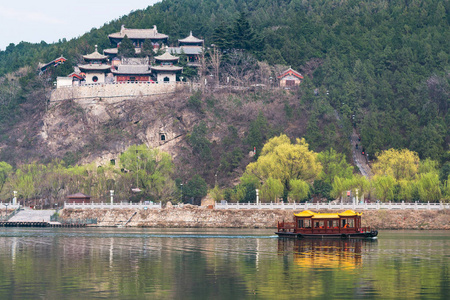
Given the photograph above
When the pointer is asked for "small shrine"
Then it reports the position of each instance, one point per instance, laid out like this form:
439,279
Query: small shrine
290,78
96,67
165,69
78,198
191,47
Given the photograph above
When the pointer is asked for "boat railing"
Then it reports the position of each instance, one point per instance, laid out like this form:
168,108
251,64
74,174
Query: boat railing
286,226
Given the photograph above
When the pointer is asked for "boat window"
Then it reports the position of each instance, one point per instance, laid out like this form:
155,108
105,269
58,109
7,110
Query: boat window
308,223
330,224
300,223
344,222
351,223
321,224
335,223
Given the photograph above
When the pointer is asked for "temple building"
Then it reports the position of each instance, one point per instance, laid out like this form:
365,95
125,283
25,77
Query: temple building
132,73
290,78
164,68
54,63
95,68
191,47
137,37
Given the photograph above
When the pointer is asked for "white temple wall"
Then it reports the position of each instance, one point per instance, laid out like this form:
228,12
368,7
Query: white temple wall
90,77
119,91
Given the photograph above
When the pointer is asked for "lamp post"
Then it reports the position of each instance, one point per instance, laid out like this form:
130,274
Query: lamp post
6,210
15,198
181,192
257,197
111,192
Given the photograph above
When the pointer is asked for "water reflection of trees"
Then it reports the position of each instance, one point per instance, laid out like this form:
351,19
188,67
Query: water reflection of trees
329,253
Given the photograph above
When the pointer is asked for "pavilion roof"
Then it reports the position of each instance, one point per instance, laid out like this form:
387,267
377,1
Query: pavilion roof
138,33
191,39
167,57
95,55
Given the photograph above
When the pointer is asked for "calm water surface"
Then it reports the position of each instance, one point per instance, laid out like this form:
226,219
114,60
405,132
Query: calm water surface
128,263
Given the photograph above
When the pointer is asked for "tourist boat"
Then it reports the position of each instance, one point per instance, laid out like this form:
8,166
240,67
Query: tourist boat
308,224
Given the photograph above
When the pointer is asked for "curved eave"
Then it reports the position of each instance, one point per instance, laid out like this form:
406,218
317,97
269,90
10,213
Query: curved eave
166,68
95,67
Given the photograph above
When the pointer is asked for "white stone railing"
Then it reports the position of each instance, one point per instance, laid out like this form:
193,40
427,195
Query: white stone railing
342,206
8,206
108,205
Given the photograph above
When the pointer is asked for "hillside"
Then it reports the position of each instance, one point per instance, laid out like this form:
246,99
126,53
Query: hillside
382,66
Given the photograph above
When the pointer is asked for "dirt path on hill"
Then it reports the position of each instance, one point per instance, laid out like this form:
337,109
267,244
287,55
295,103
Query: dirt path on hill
360,159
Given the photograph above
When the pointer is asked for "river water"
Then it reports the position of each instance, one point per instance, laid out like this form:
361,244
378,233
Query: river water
130,263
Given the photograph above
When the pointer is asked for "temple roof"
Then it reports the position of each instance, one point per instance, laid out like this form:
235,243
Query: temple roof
138,33
111,51
167,57
94,67
95,55
167,68
190,39
132,69
192,50
291,71
54,62
78,195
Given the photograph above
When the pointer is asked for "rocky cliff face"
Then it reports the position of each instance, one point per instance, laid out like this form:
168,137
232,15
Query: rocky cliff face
102,129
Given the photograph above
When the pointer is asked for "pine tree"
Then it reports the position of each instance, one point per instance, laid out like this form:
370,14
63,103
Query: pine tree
126,47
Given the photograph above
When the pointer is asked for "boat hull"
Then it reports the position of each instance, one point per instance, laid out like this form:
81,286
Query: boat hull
361,235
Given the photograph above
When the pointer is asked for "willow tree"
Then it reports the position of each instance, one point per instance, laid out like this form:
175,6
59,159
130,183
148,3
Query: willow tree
400,164
150,170
284,161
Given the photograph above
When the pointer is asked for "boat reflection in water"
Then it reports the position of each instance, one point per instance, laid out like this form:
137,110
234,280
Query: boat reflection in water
327,253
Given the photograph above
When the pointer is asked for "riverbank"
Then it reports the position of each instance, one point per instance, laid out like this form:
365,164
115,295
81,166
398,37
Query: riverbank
191,217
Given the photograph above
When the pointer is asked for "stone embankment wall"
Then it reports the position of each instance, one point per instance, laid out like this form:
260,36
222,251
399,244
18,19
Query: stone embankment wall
211,218
118,91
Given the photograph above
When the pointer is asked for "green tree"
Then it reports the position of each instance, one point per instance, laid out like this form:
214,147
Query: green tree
126,47
272,189
282,160
428,187
195,190
152,170
5,170
333,164
299,189
384,187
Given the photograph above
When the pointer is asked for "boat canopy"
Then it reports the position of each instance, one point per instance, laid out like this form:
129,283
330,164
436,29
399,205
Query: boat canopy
313,215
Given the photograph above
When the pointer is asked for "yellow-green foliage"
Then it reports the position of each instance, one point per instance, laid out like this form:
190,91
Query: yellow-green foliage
400,164
280,162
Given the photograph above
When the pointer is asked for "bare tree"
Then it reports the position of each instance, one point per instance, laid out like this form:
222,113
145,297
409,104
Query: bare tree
215,58
241,67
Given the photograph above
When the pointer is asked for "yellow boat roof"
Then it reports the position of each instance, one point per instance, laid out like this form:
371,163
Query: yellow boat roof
313,215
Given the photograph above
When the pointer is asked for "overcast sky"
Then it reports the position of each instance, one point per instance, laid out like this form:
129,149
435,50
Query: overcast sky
50,20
